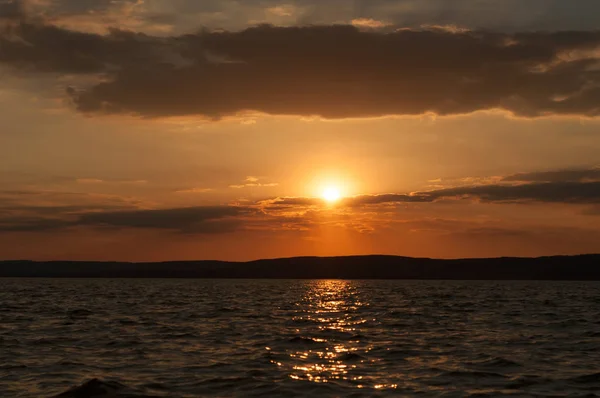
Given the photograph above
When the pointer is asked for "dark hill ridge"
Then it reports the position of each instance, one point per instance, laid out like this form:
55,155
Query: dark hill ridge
583,267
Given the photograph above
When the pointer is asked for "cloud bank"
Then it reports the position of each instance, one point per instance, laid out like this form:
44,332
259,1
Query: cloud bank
335,72
554,192
182,15
20,213
574,175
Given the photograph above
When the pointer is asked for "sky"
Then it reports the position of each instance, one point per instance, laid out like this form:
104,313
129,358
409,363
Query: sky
151,130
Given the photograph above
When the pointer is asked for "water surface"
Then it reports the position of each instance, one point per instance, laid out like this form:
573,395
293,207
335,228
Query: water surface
190,338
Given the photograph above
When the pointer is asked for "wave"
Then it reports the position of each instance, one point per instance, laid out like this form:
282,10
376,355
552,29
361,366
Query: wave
497,362
241,346
473,374
79,313
304,340
102,389
351,357
397,354
357,337
586,379
525,381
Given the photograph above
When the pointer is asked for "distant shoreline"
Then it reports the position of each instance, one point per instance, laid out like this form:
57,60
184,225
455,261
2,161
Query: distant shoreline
574,268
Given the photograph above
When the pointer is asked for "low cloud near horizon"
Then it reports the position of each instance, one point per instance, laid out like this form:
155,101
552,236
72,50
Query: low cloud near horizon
284,212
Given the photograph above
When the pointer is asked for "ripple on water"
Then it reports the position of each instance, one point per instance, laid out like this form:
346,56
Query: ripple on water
100,388
190,338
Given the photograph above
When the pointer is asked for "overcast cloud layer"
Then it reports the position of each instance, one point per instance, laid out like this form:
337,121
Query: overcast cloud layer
184,16
329,71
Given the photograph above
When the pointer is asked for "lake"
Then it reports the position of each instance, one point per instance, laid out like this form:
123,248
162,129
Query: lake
192,338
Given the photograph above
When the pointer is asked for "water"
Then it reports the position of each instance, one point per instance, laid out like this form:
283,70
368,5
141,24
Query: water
191,338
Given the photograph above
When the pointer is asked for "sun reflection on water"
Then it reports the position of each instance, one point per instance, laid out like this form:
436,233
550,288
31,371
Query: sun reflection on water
329,342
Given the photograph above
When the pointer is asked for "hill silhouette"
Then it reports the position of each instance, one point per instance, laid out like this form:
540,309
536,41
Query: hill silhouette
583,267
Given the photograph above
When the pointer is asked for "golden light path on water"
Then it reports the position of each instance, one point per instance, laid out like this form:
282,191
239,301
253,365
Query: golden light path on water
334,350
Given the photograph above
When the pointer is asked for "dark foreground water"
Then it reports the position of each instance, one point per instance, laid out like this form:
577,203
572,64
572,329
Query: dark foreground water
192,338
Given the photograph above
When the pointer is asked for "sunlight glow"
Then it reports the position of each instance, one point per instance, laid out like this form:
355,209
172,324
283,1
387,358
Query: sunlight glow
331,194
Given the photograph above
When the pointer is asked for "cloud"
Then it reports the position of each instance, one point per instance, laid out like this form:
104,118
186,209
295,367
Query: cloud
205,219
195,190
14,200
46,48
253,182
31,210
290,202
334,72
573,175
551,192
369,23
504,15
11,10
113,181
197,220
97,16
186,15
284,10
25,224
39,211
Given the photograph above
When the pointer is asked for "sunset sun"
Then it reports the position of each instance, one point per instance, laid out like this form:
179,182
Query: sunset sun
331,194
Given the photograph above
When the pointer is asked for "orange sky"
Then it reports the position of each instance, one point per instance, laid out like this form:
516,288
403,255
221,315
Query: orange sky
468,135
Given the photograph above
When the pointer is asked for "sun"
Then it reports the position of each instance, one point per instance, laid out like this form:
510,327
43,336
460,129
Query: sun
331,194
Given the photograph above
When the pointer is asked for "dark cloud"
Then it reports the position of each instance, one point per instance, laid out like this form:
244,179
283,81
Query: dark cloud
56,210
49,201
32,224
197,220
193,219
574,175
11,9
45,210
86,6
510,15
355,201
330,71
47,48
19,213
506,15
54,9
364,200
551,192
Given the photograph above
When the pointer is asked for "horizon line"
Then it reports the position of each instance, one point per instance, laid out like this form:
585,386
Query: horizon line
309,257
